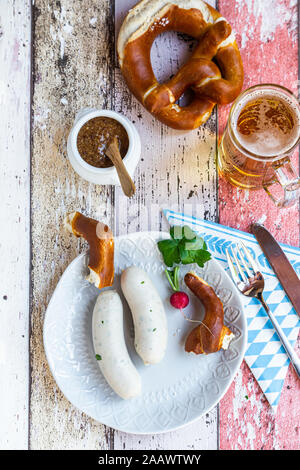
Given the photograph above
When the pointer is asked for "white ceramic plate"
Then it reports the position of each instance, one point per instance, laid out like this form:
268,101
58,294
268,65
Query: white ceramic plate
175,392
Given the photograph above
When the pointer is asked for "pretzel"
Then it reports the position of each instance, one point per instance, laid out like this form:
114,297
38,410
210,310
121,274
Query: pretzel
212,84
212,334
101,243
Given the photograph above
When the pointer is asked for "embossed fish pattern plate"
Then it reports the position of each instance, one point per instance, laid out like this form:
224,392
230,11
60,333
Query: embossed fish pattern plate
175,392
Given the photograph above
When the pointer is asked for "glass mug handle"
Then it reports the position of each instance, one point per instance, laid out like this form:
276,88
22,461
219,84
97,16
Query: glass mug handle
289,181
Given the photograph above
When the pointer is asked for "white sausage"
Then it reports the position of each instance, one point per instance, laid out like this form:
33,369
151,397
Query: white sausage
110,347
149,318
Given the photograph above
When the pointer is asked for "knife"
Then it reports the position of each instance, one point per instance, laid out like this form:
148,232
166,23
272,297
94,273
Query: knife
280,264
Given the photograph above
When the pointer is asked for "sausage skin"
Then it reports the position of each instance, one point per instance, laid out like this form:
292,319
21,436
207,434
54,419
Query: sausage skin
110,348
149,318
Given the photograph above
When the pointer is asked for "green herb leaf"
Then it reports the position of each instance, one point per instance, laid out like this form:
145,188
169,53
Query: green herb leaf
179,233
194,245
169,251
185,247
201,257
189,234
186,256
98,357
175,233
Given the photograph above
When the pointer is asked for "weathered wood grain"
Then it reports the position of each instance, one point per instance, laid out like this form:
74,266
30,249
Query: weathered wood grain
73,62
15,35
201,435
177,170
267,33
73,51
74,66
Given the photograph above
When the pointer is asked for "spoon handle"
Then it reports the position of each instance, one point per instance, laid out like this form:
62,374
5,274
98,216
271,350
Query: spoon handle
127,184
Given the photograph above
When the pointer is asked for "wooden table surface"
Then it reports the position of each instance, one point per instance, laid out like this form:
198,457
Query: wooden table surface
57,57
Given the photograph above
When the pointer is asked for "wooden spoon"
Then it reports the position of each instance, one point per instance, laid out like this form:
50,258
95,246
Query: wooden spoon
114,155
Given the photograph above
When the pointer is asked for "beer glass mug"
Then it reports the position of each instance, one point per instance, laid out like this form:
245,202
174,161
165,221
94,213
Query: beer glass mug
262,131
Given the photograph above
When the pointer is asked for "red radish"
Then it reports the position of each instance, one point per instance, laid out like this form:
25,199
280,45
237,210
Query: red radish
179,300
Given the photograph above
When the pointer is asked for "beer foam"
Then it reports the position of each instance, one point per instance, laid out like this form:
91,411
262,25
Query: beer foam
267,139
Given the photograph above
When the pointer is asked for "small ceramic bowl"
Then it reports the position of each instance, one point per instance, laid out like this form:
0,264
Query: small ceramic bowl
103,175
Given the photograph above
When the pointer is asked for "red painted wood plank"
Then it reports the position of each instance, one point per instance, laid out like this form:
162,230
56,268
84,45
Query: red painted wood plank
267,34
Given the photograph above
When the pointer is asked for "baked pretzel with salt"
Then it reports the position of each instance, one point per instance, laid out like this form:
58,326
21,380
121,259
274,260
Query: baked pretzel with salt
101,247
214,72
212,335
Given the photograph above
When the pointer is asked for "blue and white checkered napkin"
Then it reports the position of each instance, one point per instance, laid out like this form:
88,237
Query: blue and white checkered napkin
264,355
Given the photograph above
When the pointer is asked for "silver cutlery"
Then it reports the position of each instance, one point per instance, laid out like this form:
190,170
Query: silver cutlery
251,283
281,266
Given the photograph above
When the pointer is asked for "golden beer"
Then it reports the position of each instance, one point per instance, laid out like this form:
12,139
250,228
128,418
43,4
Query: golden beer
262,131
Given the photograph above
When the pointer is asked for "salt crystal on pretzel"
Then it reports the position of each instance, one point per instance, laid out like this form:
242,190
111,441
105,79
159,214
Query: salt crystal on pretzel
101,244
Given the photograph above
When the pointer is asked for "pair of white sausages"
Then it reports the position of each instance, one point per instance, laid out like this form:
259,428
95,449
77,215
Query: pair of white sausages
150,327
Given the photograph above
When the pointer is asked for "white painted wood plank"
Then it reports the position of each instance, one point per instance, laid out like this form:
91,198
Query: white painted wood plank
15,37
72,67
177,170
201,435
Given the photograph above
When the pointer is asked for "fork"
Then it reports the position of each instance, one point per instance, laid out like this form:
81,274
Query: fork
251,283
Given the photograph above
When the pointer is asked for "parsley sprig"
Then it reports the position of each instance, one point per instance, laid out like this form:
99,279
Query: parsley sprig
184,247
